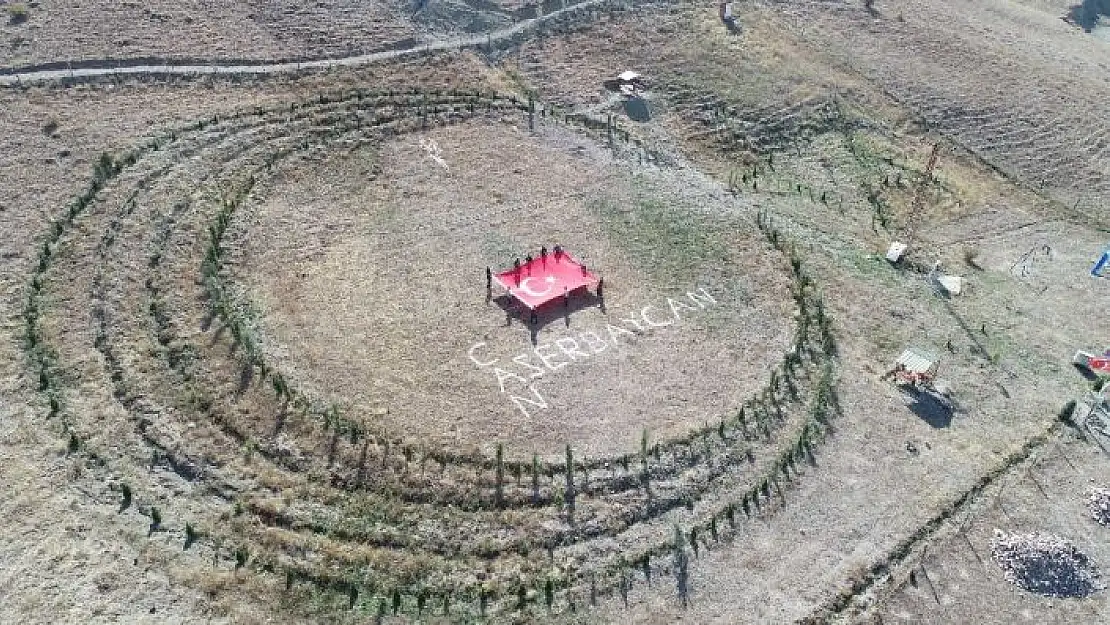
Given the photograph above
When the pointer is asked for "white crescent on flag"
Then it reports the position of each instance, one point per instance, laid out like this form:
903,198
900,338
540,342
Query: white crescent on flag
550,280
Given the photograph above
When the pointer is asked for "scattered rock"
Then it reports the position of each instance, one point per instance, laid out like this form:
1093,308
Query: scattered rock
1045,564
1099,505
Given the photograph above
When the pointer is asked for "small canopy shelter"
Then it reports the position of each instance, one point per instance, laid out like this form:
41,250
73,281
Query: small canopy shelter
945,284
547,278
915,367
627,83
629,76
1096,364
1100,365
726,12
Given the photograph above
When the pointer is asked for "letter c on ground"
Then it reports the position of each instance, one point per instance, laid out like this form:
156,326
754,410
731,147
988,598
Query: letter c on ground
470,353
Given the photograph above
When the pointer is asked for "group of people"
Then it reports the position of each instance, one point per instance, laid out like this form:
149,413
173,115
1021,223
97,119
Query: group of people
557,252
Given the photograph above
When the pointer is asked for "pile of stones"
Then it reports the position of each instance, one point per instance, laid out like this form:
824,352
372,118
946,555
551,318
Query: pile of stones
1099,505
1044,564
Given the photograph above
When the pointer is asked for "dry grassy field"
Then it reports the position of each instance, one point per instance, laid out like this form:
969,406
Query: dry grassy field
251,372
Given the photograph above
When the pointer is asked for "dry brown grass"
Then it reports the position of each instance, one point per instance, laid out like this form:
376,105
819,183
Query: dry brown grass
805,117
395,348
120,30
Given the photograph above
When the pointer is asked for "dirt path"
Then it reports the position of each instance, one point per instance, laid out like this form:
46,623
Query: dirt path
103,68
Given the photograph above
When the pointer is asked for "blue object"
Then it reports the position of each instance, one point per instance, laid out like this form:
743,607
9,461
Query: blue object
1102,262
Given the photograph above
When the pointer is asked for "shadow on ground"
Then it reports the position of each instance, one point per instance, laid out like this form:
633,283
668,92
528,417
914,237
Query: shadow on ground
552,312
930,407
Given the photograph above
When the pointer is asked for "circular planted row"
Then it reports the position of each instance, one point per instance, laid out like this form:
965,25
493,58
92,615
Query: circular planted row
313,494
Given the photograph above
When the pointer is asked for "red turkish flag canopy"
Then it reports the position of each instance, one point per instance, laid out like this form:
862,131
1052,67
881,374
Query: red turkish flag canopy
545,278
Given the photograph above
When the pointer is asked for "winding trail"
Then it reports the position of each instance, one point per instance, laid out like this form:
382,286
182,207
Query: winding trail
102,68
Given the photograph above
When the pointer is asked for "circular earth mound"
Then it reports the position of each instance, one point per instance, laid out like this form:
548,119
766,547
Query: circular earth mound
367,270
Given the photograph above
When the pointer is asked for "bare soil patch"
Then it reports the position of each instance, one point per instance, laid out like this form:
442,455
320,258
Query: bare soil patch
368,271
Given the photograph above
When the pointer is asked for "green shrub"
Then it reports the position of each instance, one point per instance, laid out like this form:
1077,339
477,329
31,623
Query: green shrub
498,493
1067,412
570,482
190,535
535,479
17,13
971,258
681,565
